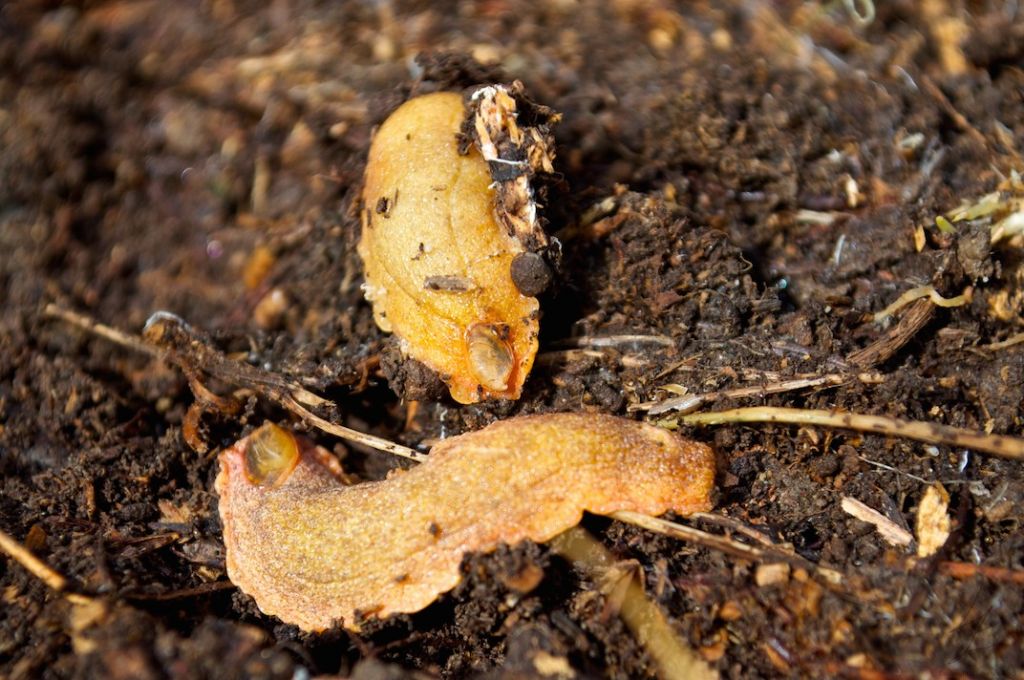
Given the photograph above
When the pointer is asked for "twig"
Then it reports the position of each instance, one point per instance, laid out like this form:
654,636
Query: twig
171,339
680,531
924,292
726,545
675,658
566,355
919,480
189,352
686,364
348,433
132,342
616,340
688,403
734,524
33,564
910,323
963,570
195,591
933,433
893,533
168,337
38,568
1003,344
183,346
958,118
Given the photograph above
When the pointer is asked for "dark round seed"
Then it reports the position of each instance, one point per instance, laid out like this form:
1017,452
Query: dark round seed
530,273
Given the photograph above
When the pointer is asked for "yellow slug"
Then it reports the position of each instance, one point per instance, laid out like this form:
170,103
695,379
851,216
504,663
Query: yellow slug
437,263
314,551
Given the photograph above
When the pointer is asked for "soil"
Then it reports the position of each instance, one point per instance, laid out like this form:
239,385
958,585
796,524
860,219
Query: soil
743,184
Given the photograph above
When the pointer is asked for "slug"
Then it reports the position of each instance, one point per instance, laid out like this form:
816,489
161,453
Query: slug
316,552
438,265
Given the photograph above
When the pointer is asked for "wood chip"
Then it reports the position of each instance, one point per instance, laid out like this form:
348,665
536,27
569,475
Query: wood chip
893,533
771,574
933,521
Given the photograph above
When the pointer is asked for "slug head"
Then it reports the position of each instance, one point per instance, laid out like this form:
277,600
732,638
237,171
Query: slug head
490,356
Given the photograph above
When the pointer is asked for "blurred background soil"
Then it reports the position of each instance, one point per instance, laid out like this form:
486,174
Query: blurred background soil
743,184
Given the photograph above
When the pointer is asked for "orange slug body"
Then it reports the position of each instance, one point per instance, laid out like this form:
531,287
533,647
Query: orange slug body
314,551
437,263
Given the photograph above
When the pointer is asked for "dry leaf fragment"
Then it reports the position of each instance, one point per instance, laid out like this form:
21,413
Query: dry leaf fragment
932,520
313,551
438,264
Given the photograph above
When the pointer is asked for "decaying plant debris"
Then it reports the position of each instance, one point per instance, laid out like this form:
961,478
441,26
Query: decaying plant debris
741,187
514,135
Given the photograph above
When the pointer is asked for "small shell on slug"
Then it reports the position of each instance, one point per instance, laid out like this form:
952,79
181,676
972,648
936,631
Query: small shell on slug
437,262
314,552
271,453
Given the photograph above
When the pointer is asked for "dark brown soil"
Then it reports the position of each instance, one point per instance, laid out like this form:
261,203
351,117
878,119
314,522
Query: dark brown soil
204,157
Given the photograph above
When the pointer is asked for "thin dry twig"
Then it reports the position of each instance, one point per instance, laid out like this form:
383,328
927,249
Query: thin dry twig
566,355
616,340
38,568
734,524
171,339
932,433
183,346
675,658
688,403
958,118
910,323
114,335
893,533
964,570
348,433
195,591
1008,342
924,292
726,545
890,468
687,364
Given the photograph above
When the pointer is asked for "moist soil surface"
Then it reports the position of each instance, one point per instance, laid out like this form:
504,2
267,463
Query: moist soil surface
741,187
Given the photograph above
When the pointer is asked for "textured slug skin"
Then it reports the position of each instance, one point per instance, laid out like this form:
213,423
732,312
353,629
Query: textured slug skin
437,263
313,551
